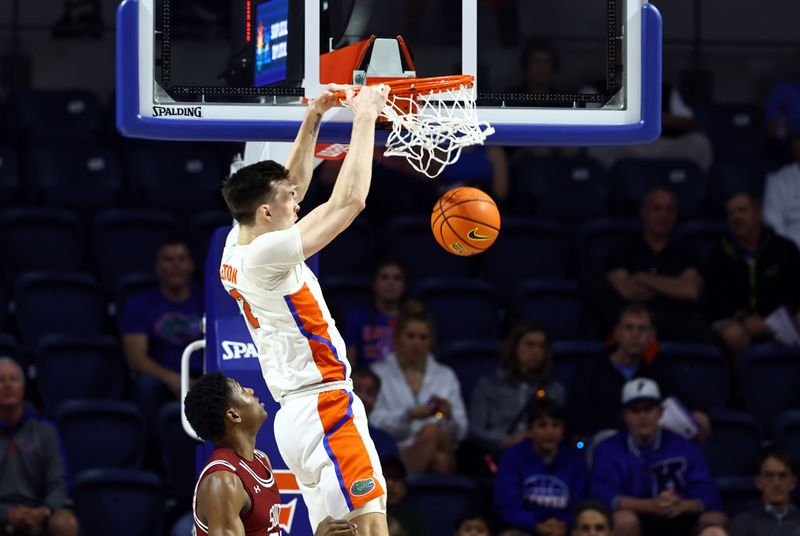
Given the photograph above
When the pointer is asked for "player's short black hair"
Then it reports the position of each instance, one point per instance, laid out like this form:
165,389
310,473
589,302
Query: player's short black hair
206,403
597,506
250,187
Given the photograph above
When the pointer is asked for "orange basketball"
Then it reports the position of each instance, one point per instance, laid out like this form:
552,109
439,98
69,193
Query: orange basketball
465,221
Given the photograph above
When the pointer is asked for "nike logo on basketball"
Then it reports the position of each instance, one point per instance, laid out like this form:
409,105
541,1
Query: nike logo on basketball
473,235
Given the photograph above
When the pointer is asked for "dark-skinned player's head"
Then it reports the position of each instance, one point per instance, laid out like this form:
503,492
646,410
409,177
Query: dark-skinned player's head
216,404
251,187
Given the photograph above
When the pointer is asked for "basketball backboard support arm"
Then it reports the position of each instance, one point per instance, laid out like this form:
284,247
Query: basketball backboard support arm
141,115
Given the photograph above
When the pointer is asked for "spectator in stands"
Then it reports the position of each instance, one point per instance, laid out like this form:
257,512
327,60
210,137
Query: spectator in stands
782,197
540,479
156,326
657,482
409,518
592,518
367,385
653,269
420,400
593,403
783,110
497,408
776,515
369,331
751,273
33,493
472,524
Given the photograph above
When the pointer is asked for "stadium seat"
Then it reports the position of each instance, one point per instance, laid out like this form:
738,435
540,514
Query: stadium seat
735,444
100,434
631,178
525,249
569,355
442,500
701,236
177,454
131,284
57,302
39,239
461,307
345,293
201,229
411,242
70,367
126,241
738,494
557,304
564,189
470,359
9,175
699,372
4,306
9,347
597,238
122,502
350,253
786,432
728,176
735,130
54,115
770,381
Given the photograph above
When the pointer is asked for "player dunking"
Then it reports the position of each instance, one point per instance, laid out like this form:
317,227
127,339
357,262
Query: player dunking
236,494
321,427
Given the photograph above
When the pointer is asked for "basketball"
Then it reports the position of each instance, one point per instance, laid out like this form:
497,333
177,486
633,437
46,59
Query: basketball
465,221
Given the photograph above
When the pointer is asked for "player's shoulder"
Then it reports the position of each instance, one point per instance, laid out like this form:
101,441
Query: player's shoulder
221,485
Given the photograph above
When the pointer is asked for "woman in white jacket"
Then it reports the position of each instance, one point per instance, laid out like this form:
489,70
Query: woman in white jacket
420,401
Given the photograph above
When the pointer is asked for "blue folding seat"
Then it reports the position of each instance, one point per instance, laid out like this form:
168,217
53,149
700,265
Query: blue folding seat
131,284
442,500
557,304
122,502
699,373
735,130
525,249
345,293
101,433
126,241
410,241
57,302
72,367
39,239
564,189
54,115
786,432
702,236
632,178
177,454
734,447
597,238
729,176
9,347
471,359
201,229
350,253
461,307
738,494
770,381
568,356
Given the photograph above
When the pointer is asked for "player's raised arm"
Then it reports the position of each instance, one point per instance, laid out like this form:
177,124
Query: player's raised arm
220,499
300,160
349,194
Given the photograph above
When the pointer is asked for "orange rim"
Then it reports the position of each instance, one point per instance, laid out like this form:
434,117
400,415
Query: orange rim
408,87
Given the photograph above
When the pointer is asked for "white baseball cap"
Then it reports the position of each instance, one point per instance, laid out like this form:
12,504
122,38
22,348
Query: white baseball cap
640,389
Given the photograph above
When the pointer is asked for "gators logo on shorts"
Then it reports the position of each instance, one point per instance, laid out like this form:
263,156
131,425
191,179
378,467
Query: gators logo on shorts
473,235
362,487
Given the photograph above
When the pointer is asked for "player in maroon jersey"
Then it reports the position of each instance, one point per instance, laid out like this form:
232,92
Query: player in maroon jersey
236,494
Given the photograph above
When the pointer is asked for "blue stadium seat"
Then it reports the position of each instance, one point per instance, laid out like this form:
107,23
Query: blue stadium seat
100,434
126,241
470,359
442,500
701,236
122,502
9,347
770,381
9,175
39,239
786,432
738,493
631,178
461,307
411,242
177,454
557,304
131,284
350,253
201,229
70,367
345,293
597,238
525,249
54,115
569,355
699,372
735,445
565,189
57,302
733,175
735,130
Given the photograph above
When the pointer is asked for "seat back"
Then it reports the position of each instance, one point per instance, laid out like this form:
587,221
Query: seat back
699,373
350,253
461,307
442,500
470,360
558,304
770,381
632,178
568,356
735,446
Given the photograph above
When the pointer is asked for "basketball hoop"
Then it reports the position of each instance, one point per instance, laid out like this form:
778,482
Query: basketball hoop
432,120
